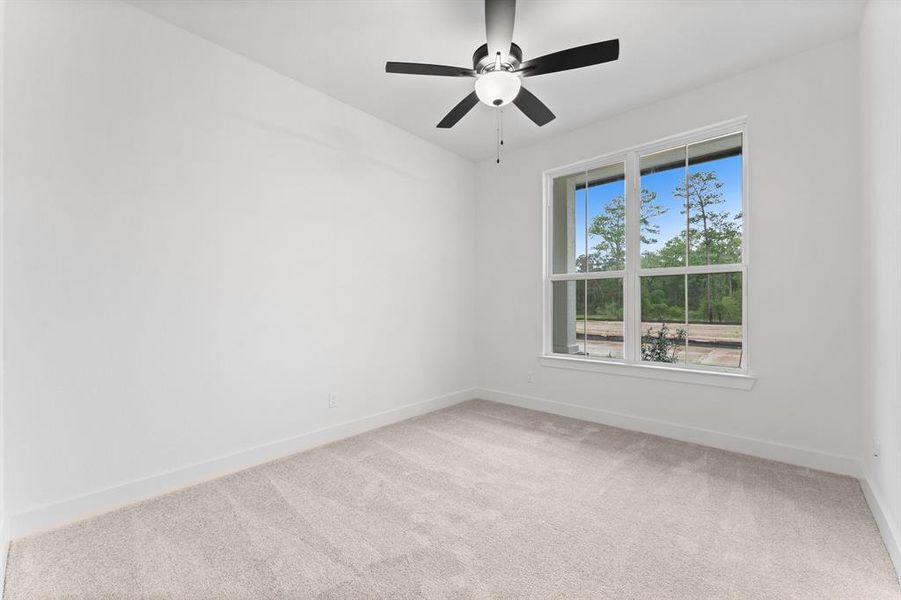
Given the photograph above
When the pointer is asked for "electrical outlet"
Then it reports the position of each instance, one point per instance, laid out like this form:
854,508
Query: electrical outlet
531,377
332,400
877,449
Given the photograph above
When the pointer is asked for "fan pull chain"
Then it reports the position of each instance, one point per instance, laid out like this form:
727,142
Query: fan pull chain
499,130
497,135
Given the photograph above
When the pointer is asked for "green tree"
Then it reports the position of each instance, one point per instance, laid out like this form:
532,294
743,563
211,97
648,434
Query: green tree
671,254
714,236
610,226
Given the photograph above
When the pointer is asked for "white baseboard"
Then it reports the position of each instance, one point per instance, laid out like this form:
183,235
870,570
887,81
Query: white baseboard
56,514
804,457
59,513
889,534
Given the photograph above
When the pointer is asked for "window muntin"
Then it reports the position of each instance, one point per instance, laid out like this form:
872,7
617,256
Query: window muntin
604,329
589,221
639,293
714,201
715,335
567,316
663,319
589,255
605,192
662,211
569,223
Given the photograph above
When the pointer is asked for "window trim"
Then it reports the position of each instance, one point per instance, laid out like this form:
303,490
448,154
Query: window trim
686,374
631,364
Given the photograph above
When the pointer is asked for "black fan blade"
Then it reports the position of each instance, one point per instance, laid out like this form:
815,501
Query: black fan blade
459,111
574,58
533,108
499,18
425,69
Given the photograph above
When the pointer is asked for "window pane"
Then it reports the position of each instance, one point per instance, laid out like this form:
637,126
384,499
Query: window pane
604,318
663,209
569,312
714,315
607,218
663,319
714,201
568,212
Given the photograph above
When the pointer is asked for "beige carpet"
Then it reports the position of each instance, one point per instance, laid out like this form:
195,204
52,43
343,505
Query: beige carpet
480,500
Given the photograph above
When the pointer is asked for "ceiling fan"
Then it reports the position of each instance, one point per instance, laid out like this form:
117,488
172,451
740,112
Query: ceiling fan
498,67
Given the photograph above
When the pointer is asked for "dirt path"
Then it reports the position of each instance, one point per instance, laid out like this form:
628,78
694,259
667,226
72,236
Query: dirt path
697,332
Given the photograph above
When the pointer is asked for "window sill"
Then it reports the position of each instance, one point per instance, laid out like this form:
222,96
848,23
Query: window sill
735,381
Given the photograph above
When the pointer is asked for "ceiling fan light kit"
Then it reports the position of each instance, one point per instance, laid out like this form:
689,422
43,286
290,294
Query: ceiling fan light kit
499,68
497,88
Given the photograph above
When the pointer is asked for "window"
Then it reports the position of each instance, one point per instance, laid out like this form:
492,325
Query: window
646,258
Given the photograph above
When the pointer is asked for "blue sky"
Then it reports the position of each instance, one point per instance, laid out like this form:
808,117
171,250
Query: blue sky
671,223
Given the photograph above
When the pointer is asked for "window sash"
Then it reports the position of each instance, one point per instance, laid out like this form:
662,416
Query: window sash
689,270
633,271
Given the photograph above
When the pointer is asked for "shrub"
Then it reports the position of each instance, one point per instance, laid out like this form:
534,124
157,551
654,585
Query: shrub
662,346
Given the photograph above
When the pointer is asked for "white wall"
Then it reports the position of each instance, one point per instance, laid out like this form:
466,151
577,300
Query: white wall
4,529
880,161
804,259
198,250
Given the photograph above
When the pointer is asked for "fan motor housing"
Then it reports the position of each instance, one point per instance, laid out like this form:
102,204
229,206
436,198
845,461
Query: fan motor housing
481,62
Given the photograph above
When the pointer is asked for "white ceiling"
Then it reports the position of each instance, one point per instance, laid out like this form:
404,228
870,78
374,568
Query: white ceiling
667,46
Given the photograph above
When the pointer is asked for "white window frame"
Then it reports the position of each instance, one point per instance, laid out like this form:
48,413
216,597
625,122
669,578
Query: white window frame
631,364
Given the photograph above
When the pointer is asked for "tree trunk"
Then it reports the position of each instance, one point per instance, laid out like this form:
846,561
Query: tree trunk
707,255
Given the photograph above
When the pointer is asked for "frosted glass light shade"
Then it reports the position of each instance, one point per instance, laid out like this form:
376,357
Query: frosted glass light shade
497,88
